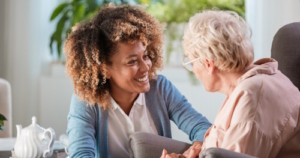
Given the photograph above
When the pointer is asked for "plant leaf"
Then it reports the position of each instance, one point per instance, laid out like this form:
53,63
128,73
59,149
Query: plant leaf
58,10
78,13
57,35
1,122
2,117
51,42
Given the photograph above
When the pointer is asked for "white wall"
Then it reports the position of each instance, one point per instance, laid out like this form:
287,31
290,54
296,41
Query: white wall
2,54
55,95
266,17
207,104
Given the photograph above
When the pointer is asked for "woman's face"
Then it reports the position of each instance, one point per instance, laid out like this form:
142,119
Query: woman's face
202,72
129,72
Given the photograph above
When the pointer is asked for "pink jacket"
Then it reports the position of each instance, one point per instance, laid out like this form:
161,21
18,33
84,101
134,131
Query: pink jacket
261,116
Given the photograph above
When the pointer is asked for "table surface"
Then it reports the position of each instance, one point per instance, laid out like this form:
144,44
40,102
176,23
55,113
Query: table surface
7,145
56,154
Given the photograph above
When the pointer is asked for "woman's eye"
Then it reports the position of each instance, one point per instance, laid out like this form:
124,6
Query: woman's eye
146,57
132,62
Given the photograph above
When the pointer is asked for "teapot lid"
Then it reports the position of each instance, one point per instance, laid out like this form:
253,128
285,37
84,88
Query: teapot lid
34,126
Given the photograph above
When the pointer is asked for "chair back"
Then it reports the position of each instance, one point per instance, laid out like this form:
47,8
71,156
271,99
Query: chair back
148,145
286,50
5,108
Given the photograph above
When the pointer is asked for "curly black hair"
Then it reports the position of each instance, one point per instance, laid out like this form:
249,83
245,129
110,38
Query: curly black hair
93,43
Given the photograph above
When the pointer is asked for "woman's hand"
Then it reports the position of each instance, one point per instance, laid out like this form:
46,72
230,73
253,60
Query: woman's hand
194,150
173,155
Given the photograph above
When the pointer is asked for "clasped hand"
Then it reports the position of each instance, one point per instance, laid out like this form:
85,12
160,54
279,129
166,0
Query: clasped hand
192,152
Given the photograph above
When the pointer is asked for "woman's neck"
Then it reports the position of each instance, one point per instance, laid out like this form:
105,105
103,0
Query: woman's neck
229,80
124,100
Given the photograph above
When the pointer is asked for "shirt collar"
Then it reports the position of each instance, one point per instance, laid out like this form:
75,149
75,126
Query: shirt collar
263,66
140,100
114,104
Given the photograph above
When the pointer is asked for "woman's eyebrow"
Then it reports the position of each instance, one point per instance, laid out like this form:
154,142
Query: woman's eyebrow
132,55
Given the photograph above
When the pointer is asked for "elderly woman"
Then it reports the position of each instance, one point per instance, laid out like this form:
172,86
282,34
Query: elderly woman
261,113
112,61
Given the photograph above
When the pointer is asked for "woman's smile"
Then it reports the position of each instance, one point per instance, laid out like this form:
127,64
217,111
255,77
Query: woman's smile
142,79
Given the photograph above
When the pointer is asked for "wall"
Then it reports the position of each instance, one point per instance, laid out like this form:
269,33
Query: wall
207,104
266,17
2,53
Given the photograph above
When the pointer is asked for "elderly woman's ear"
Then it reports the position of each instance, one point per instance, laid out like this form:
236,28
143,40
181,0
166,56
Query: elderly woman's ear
210,66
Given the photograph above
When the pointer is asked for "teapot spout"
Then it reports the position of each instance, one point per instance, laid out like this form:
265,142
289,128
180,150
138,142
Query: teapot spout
19,128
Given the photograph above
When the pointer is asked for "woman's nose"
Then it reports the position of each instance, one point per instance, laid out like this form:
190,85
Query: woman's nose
145,65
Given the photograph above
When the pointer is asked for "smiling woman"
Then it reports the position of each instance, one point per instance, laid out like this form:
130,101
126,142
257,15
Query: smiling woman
92,44
112,61
129,75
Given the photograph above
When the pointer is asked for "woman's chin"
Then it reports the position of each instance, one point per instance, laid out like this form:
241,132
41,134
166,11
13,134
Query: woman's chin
145,88
208,89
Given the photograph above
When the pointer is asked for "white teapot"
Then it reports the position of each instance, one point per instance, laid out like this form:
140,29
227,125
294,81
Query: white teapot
33,141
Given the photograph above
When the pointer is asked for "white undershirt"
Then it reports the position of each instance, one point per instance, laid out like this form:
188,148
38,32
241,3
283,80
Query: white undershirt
120,126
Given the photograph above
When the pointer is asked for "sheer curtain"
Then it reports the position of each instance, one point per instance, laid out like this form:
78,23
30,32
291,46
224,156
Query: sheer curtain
25,54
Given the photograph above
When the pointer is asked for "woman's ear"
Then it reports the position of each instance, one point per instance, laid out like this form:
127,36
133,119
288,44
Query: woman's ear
210,66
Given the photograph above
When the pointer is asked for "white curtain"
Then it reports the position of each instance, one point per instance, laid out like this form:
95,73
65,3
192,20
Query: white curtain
25,54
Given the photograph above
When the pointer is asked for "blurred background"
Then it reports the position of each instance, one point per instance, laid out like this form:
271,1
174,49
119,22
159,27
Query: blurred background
32,33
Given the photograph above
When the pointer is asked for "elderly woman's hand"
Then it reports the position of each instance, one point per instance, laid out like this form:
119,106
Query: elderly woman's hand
173,155
192,152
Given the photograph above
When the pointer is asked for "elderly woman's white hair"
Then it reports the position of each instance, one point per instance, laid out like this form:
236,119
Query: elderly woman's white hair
221,36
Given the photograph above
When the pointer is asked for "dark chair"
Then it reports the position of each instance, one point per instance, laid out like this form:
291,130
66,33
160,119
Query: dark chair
147,145
286,50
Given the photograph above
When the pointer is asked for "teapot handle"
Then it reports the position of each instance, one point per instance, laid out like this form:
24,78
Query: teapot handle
51,142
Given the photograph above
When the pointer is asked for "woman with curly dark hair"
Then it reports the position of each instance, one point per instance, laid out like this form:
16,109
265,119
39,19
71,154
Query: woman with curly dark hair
112,61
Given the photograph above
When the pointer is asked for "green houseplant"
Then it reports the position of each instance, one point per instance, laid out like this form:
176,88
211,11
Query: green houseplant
68,13
2,119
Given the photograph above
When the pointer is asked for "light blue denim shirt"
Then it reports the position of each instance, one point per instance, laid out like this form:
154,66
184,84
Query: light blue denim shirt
87,125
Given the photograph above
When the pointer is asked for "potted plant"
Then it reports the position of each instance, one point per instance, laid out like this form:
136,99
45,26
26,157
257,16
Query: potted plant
2,119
